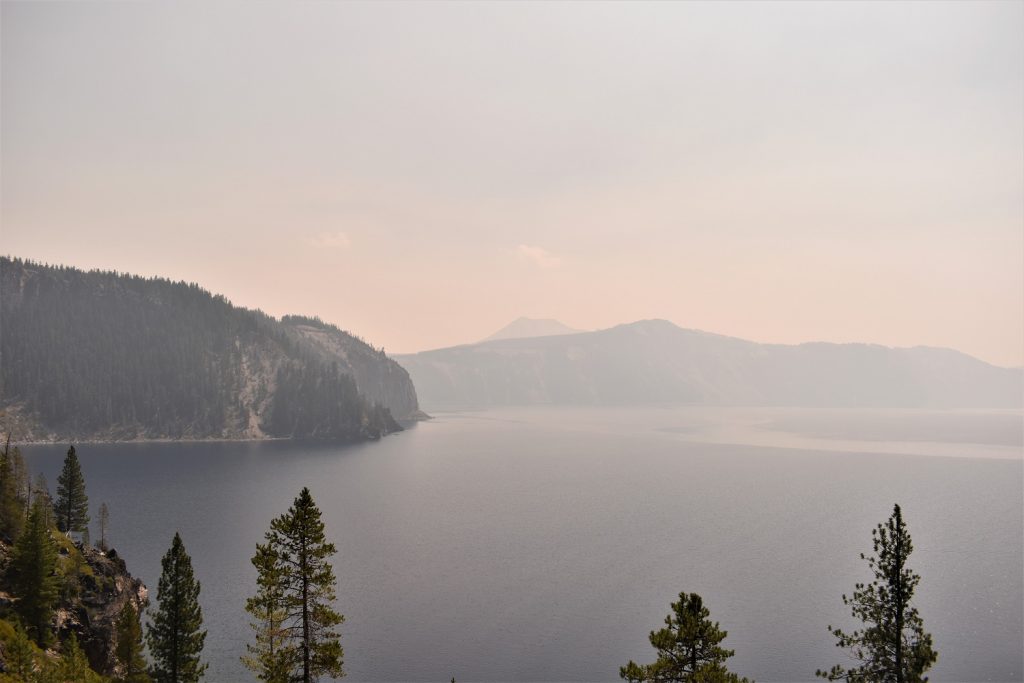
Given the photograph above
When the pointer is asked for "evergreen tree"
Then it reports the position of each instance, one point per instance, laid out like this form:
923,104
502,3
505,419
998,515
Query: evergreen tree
19,470
34,575
104,522
74,665
174,636
72,505
307,582
129,647
19,657
41,494
688,649
12,515
275,655
893,647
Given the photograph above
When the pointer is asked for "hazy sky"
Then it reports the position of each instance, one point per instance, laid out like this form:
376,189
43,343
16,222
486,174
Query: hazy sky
423,173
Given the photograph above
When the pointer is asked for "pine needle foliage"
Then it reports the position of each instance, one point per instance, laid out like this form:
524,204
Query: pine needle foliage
34,576
104,524
128,650
688,648
72,505
12,512
174,634
296,561
20,656
74,665
274,655
893,646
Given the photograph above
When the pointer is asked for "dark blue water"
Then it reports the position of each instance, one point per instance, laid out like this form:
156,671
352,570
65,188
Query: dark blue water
543,545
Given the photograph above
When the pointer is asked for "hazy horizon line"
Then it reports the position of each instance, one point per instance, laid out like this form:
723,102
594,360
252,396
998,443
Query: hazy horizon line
394,354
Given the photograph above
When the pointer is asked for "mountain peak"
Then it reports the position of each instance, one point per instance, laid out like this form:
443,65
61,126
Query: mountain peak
532,327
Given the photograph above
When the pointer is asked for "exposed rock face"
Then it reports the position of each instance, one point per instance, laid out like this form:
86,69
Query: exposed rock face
378,378
93,615
90,604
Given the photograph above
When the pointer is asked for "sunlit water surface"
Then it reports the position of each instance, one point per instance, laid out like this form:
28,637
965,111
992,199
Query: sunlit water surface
544,544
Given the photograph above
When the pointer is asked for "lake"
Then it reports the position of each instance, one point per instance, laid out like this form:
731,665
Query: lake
543,544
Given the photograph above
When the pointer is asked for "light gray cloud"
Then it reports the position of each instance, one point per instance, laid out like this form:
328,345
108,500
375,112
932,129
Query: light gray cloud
538,256
330,240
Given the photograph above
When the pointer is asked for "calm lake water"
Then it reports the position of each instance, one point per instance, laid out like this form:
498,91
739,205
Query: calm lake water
544,544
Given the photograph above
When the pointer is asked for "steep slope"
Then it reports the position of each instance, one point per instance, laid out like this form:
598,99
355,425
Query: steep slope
110,356
95,588
379,379
654,361
521,328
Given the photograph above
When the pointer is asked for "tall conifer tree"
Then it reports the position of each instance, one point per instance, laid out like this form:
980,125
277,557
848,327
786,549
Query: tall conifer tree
174,636
104,523
20,656
892,647
34,575
688,649
41,495
12,515
298,553
72,505
274,656
129,647
74,665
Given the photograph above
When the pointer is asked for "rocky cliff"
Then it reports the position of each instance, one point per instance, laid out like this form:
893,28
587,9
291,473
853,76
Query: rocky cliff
96,588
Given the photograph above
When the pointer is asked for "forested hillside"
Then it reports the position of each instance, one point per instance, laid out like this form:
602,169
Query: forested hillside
108,355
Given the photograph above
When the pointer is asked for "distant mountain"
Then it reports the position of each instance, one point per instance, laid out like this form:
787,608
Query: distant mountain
532,327
102,355
654,361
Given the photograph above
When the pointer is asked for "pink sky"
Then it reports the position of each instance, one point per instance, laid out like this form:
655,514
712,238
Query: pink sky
421,174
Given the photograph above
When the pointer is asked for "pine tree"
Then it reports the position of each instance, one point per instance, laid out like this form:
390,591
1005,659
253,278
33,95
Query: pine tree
275,655
41,494
129,647
307,590
893,647
174,636
104,522
74,665
19,470
12,515
34,575
688,649
20,657
72,505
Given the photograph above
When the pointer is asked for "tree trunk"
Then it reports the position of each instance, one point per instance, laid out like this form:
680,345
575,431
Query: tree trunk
305,615
899,597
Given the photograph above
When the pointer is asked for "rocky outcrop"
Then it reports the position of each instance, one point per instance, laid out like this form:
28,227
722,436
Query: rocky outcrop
103,591
96,587
378,378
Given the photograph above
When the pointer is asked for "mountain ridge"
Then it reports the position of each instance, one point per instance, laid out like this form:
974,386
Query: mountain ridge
100,355
524,327
653,361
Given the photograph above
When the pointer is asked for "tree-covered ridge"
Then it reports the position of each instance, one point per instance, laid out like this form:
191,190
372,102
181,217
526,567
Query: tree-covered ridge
107,355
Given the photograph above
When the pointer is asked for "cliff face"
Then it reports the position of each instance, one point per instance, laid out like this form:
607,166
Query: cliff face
100,355
378,378
96,588
103,591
